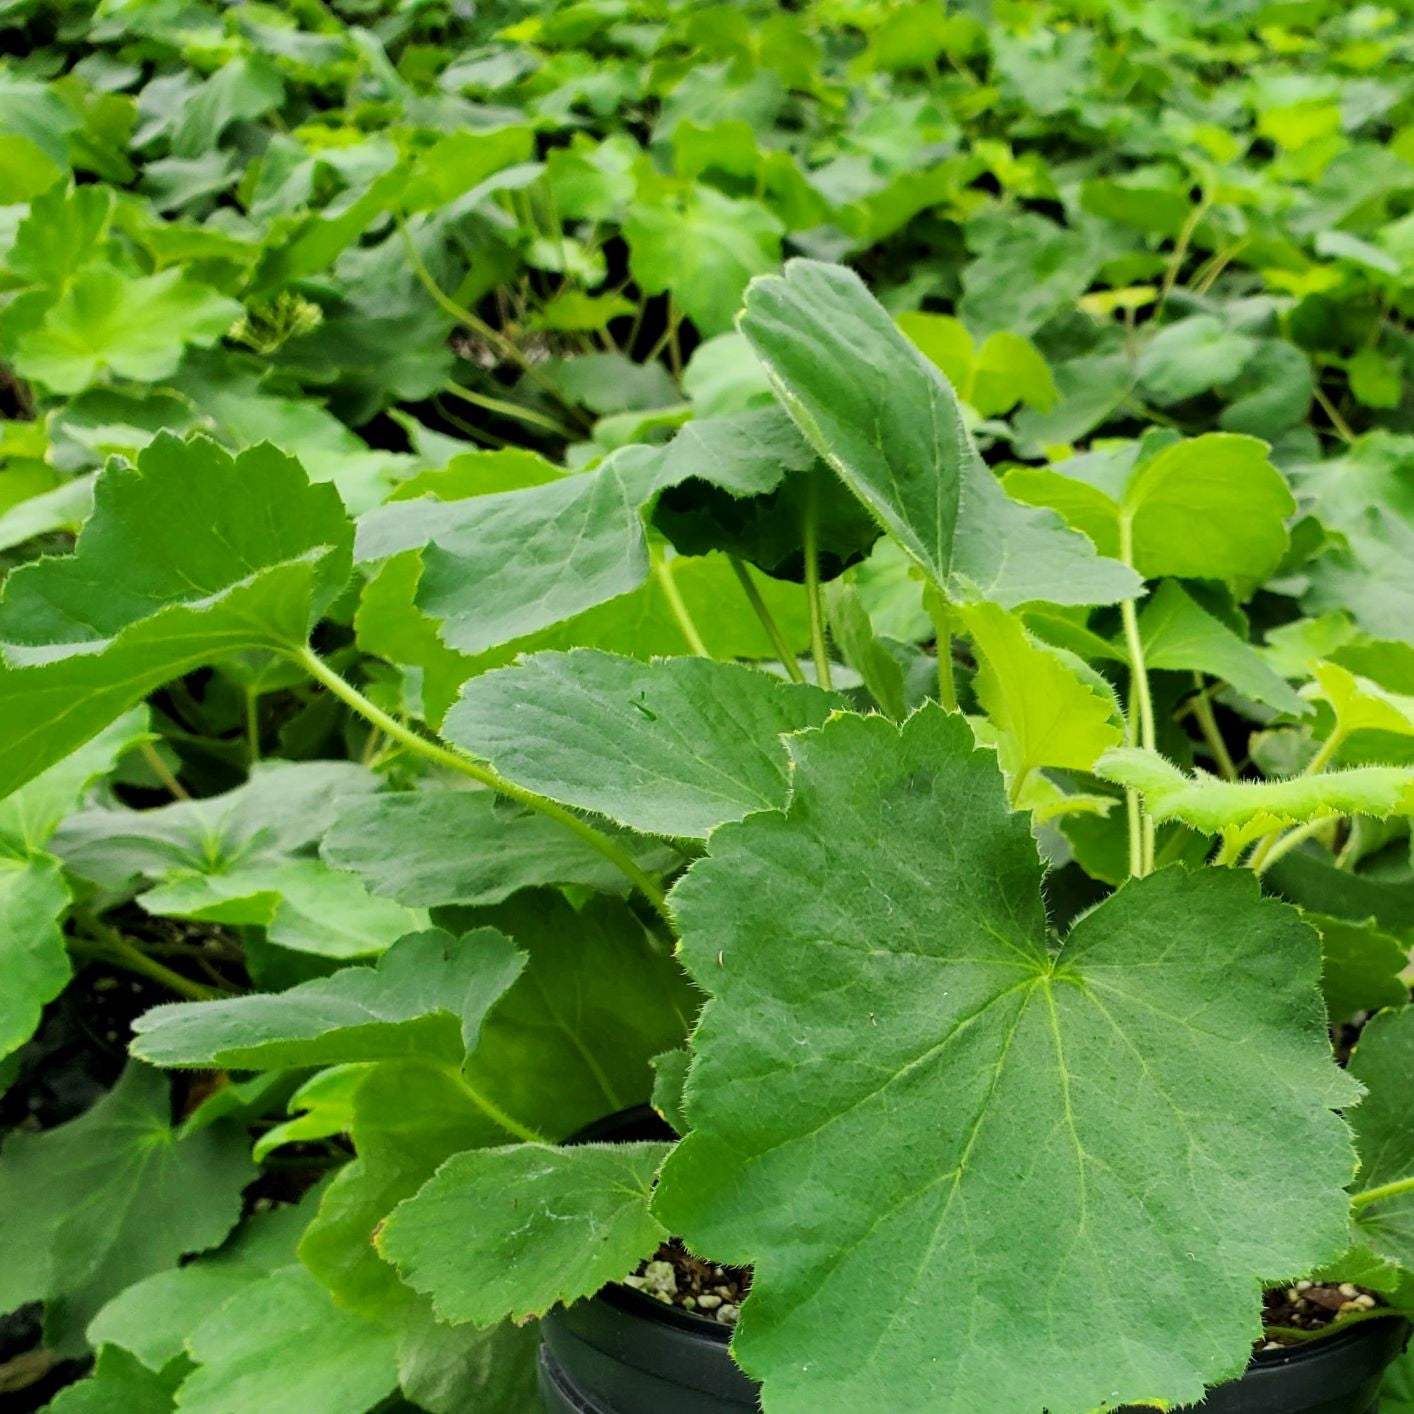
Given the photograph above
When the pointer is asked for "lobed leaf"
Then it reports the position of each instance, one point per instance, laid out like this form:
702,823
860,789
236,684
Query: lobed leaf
510,1232
898,1075
672,747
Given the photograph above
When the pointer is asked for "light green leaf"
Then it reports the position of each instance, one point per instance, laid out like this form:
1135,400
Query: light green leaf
429,994
672,747
282,1346
853,637
1045,714
1382,1063
321,1108
133,325
1210,804
469,847
1361,966
510,1232
877,410
1209,507
188,555
704,247
94,1205
1068,1097
1177,632
1358,703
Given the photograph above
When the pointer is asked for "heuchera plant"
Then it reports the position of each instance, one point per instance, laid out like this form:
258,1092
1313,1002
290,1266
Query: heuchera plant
989,970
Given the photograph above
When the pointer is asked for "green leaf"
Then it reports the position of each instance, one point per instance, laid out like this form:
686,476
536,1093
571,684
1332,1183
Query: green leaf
33,901
1209,507
284,1347
188,555
409,1117
853,637
94,1205
118,1381
1191,356
133,325
1212,805
429,994
877,410
1178,633
1382,1063
502,566
1045,714
1361,966
703,247
1028,269
1053,1087
510,1232
469,847
449,1370
673,747
237,858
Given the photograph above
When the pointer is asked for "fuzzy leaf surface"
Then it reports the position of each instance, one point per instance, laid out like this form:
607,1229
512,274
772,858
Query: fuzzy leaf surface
188,555
429,994
673,747
509,1232
886,420
897,1074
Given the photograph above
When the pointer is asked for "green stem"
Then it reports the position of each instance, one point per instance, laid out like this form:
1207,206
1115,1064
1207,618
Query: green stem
505,409
1203,710
664,575
163,772
936,604
457,761
1141,841
1180,250
1385,1190
108,945
768,620
814,598
1343,429
1278,846
497,1115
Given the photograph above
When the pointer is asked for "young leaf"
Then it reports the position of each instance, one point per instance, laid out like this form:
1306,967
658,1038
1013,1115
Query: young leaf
429,994
1383,1062
854,639
884,418
1212,805
89,1207
509,1232
190,554
1044,713
1025,1126
673,747
430,847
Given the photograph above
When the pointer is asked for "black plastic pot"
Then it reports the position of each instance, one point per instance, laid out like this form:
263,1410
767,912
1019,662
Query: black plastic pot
622,1352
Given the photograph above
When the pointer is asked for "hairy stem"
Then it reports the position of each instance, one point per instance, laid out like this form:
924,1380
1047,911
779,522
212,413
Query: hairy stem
505,409
105,944
1261,852
163,772
454,760
1385,1190
763,612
